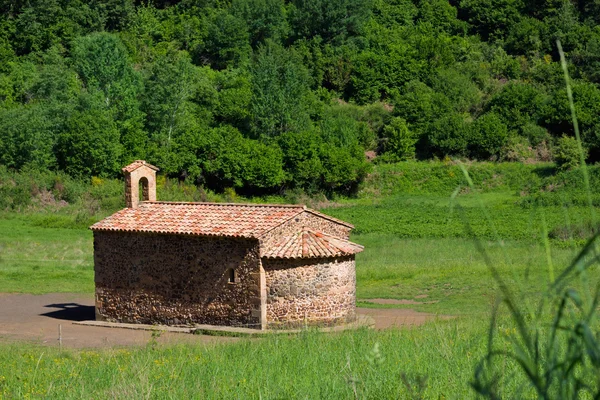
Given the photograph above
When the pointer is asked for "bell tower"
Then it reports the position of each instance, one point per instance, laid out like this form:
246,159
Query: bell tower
136,173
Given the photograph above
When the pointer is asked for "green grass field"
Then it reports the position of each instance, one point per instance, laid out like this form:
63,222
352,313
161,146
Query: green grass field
448,273
418,246
34,259
435,361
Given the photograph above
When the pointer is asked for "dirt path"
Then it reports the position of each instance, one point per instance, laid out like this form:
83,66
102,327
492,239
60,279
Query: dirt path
36,318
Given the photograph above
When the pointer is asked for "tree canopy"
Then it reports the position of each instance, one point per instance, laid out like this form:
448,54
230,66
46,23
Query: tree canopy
268,95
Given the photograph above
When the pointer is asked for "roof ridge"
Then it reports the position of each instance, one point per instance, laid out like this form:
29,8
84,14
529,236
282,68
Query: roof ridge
201,203
320,214
129,168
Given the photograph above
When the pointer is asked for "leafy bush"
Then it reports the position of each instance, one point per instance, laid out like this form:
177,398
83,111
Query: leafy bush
517,148
399,140
90,144
227,42
449,136
281,96
567,154
565,188
27,137
459,87
535,134
342,126
302,159
343,169
489,137
331,21
419,105
518,103
227,159
42,189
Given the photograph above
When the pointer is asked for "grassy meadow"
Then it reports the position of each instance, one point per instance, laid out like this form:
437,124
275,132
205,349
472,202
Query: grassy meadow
35,259
435,361
419,224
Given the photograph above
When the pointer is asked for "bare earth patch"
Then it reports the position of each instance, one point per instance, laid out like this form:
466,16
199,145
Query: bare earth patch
395,301
36,318
398,317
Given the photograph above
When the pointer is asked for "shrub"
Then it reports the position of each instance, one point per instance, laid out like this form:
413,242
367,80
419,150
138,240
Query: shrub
301,159
567,153
243,164
399,140
518,103
343,169
19,190
534,133
566,232
489,136
341,126
419,105
458,87
441,178
586,100
449,136
517,149
26,137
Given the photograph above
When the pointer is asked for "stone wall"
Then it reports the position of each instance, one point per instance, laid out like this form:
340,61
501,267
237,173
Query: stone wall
177,279
312,291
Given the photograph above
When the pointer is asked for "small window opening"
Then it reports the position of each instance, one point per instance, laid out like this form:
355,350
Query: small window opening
231,275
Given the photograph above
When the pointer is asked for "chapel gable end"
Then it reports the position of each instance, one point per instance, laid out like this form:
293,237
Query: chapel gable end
308,219
324,223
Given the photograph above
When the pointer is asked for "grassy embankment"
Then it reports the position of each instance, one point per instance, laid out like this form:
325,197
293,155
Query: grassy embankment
416,248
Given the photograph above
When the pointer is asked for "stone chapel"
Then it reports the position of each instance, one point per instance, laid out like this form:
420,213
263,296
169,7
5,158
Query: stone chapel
259,266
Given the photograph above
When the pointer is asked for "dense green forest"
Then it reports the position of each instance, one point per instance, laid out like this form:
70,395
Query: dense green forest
265,96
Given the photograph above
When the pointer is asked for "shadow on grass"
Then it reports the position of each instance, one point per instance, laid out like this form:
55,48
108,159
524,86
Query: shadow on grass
545,171
71,312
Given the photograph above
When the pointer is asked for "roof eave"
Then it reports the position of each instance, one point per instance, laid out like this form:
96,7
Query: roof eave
310,257
249,237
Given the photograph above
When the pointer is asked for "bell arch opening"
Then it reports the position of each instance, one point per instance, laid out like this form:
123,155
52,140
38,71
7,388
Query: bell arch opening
143,189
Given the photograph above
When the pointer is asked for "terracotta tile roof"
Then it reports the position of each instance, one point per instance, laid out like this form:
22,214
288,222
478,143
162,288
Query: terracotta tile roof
136,164
310,244
210,219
